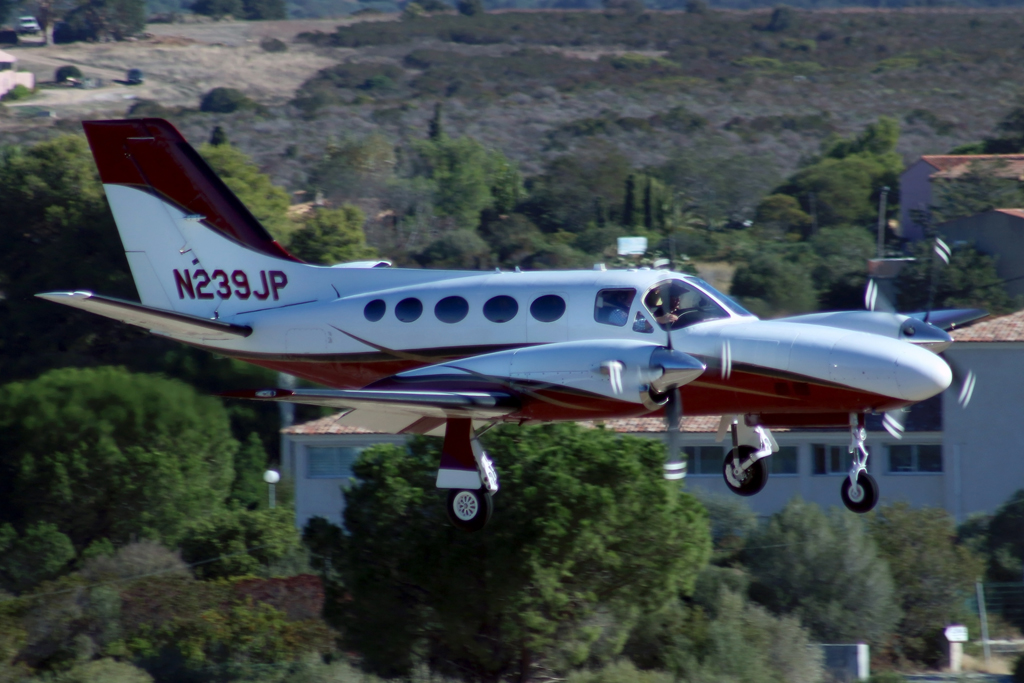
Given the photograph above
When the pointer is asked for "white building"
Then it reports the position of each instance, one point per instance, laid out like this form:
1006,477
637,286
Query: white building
963,460
10,76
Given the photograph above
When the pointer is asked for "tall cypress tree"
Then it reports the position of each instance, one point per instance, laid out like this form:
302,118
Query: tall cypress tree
436,131
629,209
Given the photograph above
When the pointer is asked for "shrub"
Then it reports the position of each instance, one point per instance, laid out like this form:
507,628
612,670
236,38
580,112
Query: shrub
225,101
65,72
18,92
471,8
273,45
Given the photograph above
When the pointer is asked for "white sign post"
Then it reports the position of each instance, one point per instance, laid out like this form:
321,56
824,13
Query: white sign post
956,634
632,246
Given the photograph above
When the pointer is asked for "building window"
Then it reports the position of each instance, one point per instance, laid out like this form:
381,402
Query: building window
915,458
784,461
548,308
501,309
409,310
374,310
704,460
612,306
831,459
451,309
330,462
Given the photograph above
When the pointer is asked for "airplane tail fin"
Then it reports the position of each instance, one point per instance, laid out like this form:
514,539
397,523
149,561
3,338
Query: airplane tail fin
193,247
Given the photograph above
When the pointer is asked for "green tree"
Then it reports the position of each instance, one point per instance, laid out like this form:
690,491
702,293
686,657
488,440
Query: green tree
134,455
248,488
969,281
775,283
226,101
436,130
585,535
466,177
780,215
218,136
847,180
265,200
262,10
718,635
470,8
102,20
41,553
932,576
839,272
824,569
332,236
218,8
58,234
245,540
1004,540
986,185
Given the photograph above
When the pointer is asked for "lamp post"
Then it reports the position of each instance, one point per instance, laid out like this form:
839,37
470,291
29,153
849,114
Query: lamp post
272,477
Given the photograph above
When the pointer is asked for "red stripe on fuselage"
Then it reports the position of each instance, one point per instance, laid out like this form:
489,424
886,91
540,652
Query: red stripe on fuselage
746,392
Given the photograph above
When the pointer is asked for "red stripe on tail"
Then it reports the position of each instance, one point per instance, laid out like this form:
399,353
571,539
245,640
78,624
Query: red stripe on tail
152,154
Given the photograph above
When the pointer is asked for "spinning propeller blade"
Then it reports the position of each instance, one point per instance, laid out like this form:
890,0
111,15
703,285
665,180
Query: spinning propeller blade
675,467
895,422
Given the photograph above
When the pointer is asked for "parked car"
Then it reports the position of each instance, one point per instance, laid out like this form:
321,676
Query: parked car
28,25
134,77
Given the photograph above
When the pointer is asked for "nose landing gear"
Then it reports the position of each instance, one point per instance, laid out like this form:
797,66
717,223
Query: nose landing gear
746,467
859,490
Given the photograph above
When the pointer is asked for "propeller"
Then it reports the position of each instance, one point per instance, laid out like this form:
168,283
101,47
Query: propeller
675,466
875,299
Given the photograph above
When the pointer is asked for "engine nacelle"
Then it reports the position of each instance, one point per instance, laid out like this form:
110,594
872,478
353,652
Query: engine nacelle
620,369
892,325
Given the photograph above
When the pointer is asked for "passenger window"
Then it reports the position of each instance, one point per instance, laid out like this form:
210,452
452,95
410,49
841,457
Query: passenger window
501,309
612,306
451,309
374,310
686,305
409,310
640,324
548,308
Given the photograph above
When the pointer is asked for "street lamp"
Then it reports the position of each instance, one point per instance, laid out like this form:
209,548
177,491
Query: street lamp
272,477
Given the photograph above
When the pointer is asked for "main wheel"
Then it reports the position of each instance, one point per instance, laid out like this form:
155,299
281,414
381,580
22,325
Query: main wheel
751,480
860,498
469,510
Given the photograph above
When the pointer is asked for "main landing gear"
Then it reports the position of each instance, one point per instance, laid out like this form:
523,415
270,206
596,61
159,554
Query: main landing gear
746,467
469,476
859,490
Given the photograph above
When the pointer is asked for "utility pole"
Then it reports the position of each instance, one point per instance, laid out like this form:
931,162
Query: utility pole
881,221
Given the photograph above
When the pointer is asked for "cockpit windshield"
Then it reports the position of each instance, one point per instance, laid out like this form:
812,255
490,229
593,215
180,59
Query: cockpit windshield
729,302
676,304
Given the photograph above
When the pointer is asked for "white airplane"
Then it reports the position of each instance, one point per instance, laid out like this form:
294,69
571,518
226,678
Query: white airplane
453,352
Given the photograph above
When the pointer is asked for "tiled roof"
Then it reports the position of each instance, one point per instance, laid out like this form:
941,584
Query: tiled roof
953,165
1008,328
328,425
656,425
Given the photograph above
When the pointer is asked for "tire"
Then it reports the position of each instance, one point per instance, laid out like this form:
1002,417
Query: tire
753,479
862,500
469,510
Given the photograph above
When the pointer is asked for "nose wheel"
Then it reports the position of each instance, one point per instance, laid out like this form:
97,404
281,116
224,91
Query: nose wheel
744,475
469,510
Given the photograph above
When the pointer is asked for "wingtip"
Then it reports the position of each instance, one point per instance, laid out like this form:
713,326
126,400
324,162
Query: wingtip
62,296
257,394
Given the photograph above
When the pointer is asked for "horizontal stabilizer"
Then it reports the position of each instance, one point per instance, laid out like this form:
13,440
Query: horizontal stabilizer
173,324
442,404
950,319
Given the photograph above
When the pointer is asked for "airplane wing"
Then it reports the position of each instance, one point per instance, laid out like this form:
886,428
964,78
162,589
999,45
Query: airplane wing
156,320
394,411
